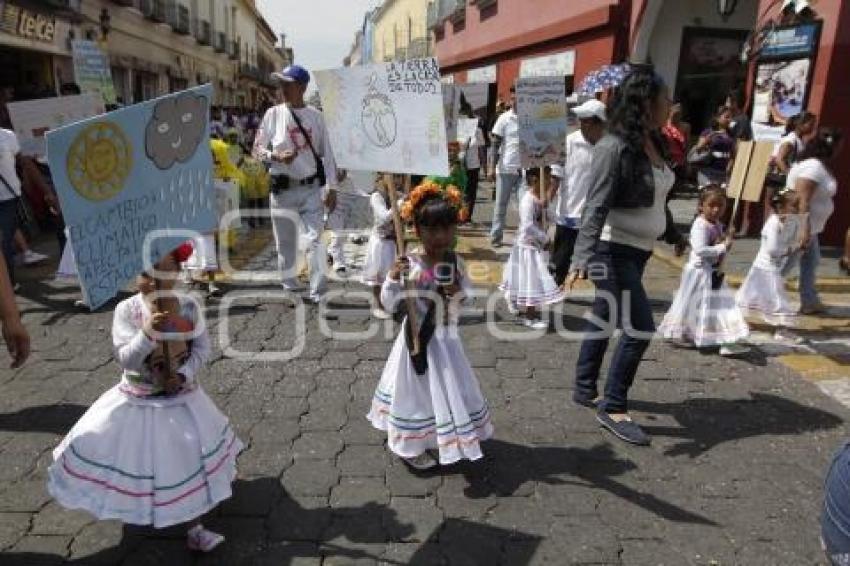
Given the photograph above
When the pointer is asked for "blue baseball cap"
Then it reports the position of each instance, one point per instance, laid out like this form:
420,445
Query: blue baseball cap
293,74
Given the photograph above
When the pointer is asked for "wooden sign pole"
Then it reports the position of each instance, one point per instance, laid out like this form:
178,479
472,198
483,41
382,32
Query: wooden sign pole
410,299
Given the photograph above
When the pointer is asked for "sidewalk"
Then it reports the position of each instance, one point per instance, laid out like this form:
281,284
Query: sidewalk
738,262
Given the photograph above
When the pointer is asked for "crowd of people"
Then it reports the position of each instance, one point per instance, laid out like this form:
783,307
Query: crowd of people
608,204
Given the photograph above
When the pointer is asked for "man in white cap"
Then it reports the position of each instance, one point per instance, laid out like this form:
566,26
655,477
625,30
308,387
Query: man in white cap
293,139
572,181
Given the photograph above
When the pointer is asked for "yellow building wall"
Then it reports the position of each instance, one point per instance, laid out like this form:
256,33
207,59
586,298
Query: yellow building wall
396,24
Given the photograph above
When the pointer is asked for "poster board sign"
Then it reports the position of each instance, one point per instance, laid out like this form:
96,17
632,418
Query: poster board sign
764,133
451,109
477,97
542,114
781,90
123,175
752,163
486,74
92,71
386,117
558,64
32,119
790,42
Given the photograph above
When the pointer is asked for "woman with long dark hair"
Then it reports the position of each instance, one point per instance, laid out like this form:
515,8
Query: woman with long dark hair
624,216
813,179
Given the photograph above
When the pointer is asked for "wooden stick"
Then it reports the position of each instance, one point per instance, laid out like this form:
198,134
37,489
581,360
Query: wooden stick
166,349
410,299
545,197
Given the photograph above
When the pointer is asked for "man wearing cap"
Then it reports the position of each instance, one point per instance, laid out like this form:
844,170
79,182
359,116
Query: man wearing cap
508,169
293,139
573,181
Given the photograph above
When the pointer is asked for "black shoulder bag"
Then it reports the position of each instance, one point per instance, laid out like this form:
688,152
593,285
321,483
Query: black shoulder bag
320,167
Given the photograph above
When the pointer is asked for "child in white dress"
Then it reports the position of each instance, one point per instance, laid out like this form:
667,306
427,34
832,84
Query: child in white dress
430,401
381,248
763,292
526,280
154,449
704,312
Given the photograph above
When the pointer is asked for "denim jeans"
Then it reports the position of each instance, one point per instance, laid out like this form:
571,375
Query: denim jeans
616,270
809,260
835,517
8,226
506,185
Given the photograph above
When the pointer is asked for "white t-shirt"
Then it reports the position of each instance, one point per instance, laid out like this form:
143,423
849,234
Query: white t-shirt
279,129
473,146
794,141
9,149
507,128
576,179
821,206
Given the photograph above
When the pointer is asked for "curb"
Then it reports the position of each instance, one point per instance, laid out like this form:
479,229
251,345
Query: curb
824,284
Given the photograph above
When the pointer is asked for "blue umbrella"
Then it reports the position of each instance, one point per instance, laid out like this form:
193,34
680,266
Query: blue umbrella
609,76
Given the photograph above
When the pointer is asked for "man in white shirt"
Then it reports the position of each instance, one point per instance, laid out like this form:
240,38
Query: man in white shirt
508,169
574,179
299,166
10,193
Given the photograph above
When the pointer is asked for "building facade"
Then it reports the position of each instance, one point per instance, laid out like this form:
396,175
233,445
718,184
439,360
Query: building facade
154,46
400,30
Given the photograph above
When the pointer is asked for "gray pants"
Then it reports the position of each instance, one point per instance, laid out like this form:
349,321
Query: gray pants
305,201
506,185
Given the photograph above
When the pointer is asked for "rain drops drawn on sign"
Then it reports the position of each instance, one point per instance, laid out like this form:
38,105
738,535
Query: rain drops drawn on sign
378,117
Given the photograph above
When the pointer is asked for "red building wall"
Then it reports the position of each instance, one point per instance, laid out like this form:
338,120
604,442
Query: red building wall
596,29
830,98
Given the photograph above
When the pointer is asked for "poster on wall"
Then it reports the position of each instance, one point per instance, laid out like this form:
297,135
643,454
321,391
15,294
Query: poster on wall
558,64
386,117
32,119
781,90
124,175
91,69
542,116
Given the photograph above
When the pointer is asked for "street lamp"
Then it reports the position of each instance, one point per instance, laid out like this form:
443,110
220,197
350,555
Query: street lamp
726,7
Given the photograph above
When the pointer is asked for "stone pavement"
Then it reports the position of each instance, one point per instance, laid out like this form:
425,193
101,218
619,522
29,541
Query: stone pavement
734,474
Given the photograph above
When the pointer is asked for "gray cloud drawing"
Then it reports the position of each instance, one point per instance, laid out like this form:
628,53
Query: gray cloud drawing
176,129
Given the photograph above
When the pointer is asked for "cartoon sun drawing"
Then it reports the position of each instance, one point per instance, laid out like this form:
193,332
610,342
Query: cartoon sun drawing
378,117
99,161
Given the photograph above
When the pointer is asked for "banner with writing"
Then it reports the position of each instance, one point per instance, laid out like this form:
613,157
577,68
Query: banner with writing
542,117
124,175
386,117
32,119
91,69
451,109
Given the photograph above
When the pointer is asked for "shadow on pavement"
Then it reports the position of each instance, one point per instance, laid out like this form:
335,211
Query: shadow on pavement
263,525
706,423
509,466
55,419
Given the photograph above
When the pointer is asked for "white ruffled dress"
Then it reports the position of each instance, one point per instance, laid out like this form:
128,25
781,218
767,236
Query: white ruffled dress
699,314
443,409
763,292
381,248
526,280
141,457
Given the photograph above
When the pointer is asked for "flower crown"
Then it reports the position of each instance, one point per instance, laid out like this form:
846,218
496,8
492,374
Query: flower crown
429,190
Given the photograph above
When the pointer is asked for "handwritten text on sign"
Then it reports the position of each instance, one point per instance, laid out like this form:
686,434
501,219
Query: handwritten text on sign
386,117
542,116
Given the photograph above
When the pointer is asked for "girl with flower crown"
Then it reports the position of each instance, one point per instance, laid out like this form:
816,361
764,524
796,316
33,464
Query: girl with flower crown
428,399
154,449
526,280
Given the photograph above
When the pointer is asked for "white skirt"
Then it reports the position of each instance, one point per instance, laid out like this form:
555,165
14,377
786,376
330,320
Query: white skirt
763,293
146,462
526,280
68,264
380,258
701,315
203,257
443,409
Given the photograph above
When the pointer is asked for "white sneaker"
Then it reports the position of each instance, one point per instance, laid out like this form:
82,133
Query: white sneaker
381,314
293,286
200,539
535,323
733,350
213,290
422,462
31,258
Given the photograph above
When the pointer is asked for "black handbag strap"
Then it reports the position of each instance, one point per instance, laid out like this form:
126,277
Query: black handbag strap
306,137
9,187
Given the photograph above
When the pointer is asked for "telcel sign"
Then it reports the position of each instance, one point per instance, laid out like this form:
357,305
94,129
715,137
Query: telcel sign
15,20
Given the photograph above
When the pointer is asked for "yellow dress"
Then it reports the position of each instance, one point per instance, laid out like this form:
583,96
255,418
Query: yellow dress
255,180
224,170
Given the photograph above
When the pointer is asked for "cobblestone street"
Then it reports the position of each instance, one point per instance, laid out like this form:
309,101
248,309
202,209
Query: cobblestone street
734,474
